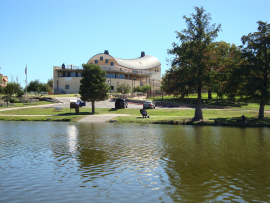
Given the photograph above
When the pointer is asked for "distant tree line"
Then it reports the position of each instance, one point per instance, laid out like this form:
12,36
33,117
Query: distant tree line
200,63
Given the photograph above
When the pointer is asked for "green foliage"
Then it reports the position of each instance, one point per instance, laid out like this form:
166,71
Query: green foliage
252,78
224,59
11,89
38,87
190,65
50,83
142,88
13,100
93,87
123,88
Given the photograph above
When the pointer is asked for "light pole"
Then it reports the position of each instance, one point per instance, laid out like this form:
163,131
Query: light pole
110,86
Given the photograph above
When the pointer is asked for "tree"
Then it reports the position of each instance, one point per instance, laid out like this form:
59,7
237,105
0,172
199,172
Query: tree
193,54
224,59
38,87
50,83
142,88
11,89
93,87
256,68
123,88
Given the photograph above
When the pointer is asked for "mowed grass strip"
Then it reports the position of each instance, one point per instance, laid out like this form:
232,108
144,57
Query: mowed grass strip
26,104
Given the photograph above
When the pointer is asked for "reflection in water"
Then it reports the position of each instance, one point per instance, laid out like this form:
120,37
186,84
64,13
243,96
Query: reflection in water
224,166
72,134
64,162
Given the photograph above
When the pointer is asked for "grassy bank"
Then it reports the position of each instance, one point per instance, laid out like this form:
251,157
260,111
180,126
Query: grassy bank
157,116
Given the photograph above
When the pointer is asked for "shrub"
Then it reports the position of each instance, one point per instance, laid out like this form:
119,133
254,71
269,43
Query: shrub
14,100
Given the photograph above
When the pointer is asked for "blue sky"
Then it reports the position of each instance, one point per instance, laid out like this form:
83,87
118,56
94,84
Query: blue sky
47,33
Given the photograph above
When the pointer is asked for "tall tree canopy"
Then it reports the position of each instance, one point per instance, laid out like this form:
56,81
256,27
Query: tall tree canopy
38,87
93,87
10,89
256,69
224,59
191,57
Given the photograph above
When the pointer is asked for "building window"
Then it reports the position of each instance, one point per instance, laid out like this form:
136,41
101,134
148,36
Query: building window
110,75
101,58
112,87
112,63
106,61
66,87
72,74
121,76
96,61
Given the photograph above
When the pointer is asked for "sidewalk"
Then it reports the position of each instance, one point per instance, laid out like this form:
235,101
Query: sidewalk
100,118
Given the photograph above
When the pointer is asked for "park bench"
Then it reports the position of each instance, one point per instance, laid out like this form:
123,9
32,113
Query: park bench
57,108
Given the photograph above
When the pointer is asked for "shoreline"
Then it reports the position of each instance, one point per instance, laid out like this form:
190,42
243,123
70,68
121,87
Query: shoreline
120,118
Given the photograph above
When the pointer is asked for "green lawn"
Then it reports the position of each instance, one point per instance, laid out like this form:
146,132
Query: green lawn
215,102
26,104
166,116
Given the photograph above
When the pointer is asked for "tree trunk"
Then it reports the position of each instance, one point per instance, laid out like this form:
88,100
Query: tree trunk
93,107
210,94
261,110
198,112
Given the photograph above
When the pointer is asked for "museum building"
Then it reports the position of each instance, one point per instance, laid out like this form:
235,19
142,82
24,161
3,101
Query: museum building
3,80
144,70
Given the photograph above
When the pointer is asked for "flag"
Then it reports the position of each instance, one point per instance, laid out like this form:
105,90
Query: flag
25,70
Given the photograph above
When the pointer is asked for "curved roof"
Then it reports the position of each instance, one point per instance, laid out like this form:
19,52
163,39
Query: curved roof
146,62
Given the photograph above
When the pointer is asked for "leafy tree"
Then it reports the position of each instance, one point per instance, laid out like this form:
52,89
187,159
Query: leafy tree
145,88
93,87
123,88
224,59
38,87
142,88
11,89
50,83
192,56
256,67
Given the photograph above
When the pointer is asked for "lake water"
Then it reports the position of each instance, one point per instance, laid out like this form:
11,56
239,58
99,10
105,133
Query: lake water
76,162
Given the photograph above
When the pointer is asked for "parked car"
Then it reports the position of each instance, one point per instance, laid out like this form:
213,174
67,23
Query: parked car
148,105
120,103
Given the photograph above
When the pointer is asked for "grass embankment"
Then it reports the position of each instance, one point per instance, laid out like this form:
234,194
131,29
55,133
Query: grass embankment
157,116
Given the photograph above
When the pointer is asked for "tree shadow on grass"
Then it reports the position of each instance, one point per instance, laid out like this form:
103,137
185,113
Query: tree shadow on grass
113,109
212,102
252,120
77,114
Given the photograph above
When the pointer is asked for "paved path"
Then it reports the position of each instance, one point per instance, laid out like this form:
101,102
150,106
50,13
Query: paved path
100,118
